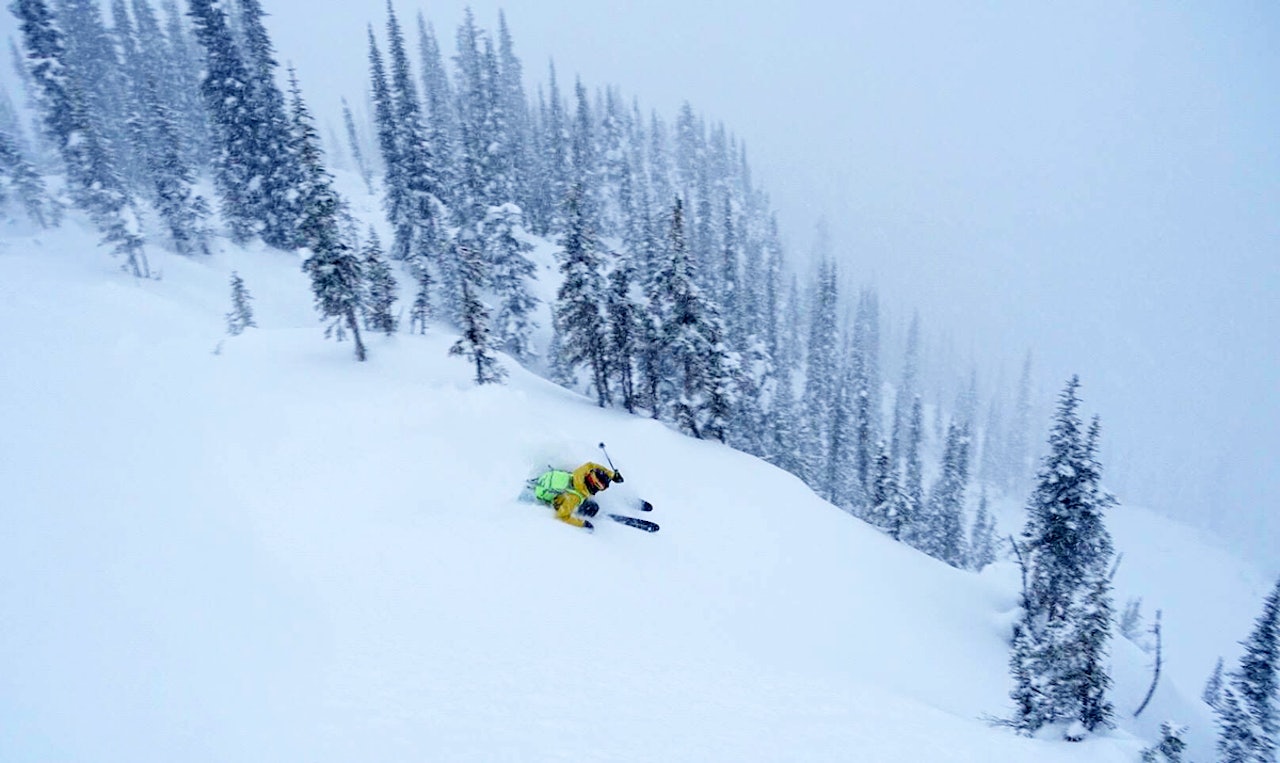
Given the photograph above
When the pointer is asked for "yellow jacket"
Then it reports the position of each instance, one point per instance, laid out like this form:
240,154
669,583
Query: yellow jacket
569,501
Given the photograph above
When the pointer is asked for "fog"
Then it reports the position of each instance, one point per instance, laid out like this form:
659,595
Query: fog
1096,182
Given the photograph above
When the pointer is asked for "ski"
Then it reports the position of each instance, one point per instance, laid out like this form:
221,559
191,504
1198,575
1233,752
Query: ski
639,524
645,505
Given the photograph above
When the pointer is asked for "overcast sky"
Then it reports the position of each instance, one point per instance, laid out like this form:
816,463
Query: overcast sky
1097,181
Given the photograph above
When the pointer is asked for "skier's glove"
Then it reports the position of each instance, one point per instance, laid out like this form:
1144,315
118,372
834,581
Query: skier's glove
617,477
589,509
586,525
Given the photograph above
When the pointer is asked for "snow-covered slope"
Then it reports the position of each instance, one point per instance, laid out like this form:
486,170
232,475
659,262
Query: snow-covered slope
254,548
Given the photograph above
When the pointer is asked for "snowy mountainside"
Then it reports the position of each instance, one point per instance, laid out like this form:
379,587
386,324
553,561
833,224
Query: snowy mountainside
254,548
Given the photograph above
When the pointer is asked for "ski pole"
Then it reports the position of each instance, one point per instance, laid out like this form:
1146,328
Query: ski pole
606,457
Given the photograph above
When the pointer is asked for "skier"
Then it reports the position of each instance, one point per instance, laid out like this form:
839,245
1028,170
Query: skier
569,493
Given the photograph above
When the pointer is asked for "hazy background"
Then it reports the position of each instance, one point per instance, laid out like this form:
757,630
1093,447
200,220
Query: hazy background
1098,182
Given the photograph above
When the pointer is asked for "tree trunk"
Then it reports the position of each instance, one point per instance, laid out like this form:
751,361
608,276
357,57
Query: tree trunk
361,355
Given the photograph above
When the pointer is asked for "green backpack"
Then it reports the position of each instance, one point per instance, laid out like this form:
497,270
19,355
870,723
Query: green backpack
552,484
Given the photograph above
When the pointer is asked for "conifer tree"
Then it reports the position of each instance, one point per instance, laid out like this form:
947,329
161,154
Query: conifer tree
130,70
820,388
412,177
913,477
993,456
276,171
181,81
418,217
229,102
906,391
95,71
614,169
782,439
23,180
241,315
1212,693
866,390
337,273
836,481
1065,551
511,273
719,392
440,112
982,538
555,151
887,499
1248,713
353,140
380,286
92,180
626,333
698,388
473,106
659,163
944,531
475,342
183,210
579,325
1171,745
585,171
516,122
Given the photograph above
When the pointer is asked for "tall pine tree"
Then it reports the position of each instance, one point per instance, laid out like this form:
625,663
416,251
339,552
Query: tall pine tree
1248,709
1059,645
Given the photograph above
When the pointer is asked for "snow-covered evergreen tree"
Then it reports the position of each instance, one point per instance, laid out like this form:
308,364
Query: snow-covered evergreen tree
475,344
353,141
226,91
183,210
277,173
22,180
579,324
92,180
1248,711
337,273
1059,649
698,391
982,538
477,156
241,315
626,333
944,529
515,126
380,286
440,112
906,392
415,211
1212,693
719,390
887,499
821,390
181,81
1171,745
912,530
584,161
511,273
866,392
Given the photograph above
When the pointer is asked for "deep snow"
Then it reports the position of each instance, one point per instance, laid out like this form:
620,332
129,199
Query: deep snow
254,548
